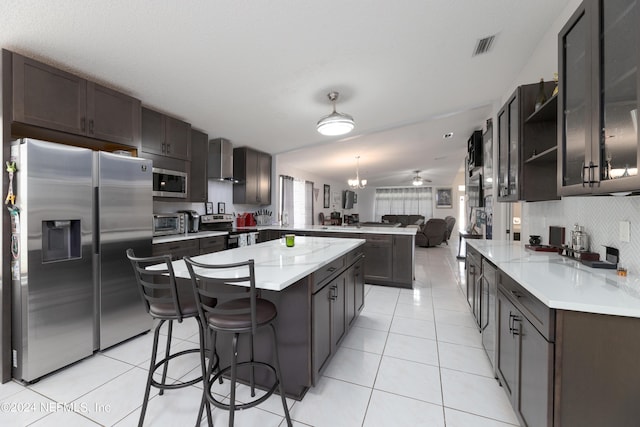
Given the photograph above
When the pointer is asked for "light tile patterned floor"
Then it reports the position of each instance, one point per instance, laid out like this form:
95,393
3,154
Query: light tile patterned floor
413,358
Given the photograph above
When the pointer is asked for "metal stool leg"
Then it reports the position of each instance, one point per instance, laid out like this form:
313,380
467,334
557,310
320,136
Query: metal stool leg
206,373
234,363
279,375
147,390
166,356
252,380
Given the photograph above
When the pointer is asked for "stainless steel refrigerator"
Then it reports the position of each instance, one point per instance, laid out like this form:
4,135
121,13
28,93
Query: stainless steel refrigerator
73,288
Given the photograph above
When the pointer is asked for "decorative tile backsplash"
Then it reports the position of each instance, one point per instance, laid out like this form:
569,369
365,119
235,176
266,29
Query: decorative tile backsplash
600,216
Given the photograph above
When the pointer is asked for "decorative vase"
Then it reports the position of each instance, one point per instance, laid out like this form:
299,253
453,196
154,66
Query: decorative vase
541,98
534,240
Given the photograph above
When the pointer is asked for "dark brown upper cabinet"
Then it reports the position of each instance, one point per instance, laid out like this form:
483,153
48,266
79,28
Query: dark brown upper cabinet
50,98
527,146
198,181
165,136
252,169
598,99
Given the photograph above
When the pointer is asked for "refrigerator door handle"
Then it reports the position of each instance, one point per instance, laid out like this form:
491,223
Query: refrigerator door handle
96,222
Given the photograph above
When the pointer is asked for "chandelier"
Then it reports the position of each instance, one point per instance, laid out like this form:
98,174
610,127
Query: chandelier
357,182
335,123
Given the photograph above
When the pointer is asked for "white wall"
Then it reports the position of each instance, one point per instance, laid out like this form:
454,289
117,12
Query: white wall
336,188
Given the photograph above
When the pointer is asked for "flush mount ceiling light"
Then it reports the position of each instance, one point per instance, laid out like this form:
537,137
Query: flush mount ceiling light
357,182
335,123
418,180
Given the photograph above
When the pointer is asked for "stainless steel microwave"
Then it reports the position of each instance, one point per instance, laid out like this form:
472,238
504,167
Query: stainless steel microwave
168,183
169,223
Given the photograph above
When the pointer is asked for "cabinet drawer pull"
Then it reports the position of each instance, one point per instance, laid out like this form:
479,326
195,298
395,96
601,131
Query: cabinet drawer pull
164,147
168,148
331,269
516,294
91,126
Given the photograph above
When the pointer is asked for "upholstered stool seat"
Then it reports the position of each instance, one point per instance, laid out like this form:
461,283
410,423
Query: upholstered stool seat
163,302
238,310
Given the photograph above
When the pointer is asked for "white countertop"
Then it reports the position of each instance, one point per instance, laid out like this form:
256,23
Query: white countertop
277,266
408,231
564,283
188,236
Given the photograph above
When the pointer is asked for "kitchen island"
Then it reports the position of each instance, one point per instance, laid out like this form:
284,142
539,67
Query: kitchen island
318,289
389,251
567,336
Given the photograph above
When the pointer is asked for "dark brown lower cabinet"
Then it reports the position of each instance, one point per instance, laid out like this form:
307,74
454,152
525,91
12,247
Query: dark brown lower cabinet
177,250
525,363
329,322
354,288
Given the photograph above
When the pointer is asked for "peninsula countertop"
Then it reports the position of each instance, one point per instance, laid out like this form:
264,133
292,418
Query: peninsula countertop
564,283
276,265
407,231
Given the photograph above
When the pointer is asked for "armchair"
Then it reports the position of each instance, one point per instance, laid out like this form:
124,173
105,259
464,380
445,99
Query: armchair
451,222
432,233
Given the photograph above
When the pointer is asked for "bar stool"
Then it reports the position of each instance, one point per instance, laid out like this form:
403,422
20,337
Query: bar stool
162,301
238,311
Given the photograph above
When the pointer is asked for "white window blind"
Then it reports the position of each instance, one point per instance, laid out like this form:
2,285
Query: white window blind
403,201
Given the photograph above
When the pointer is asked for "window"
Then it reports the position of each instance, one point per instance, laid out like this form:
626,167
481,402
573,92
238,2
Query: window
296,201
403,201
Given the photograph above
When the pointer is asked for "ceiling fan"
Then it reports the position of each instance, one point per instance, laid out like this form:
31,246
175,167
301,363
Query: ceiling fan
418,180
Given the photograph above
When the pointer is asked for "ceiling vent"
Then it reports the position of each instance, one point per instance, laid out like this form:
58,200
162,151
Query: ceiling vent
484,45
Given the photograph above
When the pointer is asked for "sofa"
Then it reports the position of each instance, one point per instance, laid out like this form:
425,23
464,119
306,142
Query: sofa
432,233
403,220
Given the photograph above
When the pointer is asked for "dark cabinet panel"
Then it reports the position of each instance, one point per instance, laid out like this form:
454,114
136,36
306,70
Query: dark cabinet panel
177,138
153,132
177,250
49,98
508,342
599,56
403,248
252,169
338,315
165,136
535,401
198,184
359,284
378,257
113,116
527,154
474,272
212,244
321,329
525,358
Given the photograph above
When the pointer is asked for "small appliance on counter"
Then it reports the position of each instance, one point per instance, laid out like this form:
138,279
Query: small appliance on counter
610,262
165,224
245,220
193,221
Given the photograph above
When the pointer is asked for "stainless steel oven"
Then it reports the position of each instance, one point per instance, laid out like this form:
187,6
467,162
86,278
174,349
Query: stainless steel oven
169,183
169,223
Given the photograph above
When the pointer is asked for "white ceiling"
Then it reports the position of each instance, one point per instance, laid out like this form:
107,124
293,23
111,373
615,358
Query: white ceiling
257,72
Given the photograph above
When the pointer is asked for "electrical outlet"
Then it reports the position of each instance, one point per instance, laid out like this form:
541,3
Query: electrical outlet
625,231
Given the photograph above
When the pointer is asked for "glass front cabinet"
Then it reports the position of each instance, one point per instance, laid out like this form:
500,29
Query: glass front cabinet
598,99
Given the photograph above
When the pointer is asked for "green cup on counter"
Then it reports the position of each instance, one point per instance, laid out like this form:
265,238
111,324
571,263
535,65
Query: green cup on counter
290,240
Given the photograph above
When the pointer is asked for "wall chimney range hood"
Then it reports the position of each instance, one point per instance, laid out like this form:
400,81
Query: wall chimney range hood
220,162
